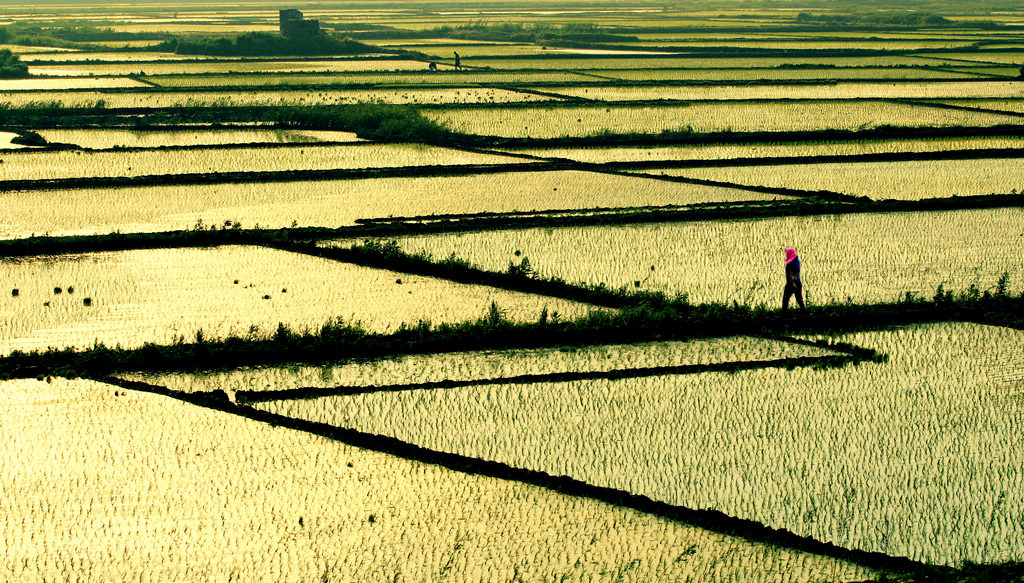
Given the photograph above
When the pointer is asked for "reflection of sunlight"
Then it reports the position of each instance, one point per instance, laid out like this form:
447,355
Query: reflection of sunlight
57,72
609,52
5,144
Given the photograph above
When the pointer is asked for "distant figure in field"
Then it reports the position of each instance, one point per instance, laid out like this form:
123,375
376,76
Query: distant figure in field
793,284
432,66
458,61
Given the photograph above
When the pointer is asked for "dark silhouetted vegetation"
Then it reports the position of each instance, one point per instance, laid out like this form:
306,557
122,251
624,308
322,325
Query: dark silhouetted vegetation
11,66
570,34
879,18
266,44
374,121
1010,572
389,122
29,138
79,36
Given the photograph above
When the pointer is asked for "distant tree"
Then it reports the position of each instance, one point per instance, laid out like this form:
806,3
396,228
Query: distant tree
907,19
11,66
266,44
538,33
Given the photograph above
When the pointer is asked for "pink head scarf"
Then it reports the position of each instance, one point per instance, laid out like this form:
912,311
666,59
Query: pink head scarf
790,255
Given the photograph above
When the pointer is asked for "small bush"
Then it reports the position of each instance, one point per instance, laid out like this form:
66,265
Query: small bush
11,66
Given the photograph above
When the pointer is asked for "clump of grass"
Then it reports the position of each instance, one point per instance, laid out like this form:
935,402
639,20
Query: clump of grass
967,573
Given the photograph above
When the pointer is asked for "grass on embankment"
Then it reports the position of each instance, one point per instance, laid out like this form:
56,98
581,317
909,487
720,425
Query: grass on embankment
639,316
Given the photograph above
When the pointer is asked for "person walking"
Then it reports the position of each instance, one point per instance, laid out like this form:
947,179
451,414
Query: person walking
458,61
793,284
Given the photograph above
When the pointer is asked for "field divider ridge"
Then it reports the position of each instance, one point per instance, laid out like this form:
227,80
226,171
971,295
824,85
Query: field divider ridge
939,105
201,178
201,147
458,273
548,94
557,212
781,190
736,137
645,317
829,361
967,154
145,81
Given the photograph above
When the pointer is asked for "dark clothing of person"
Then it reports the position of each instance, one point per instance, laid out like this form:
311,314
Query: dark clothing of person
793,270
793,285
793,289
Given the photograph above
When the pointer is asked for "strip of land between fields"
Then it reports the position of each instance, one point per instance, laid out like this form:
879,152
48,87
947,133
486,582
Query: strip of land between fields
829,361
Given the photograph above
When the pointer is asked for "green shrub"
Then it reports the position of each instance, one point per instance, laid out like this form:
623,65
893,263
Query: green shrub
266,44
11,66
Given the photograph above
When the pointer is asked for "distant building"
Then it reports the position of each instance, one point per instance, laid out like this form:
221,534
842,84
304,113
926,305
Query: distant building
293,24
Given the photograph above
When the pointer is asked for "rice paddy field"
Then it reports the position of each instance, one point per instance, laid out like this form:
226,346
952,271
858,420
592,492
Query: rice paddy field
255,97
61,56
1009,57
106,139
370,517
336,203
411,371
494,292
726,261
115,163
65,84
1010,105
440,77
599,155
707,117
772,74
831,91
87,67
873,44
881,180
622,59
155,296
750,453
